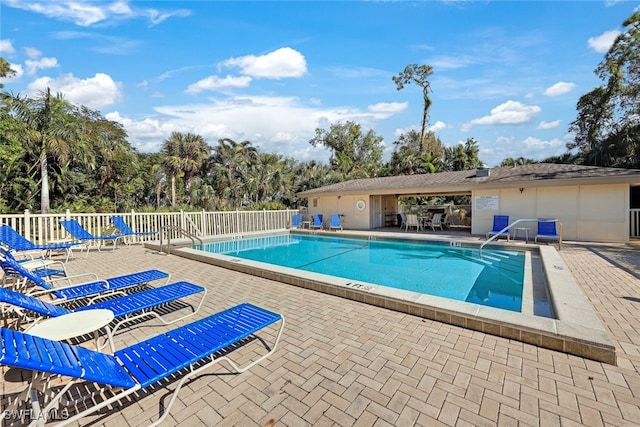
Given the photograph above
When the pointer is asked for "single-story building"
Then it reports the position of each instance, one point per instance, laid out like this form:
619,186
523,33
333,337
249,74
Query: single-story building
592,203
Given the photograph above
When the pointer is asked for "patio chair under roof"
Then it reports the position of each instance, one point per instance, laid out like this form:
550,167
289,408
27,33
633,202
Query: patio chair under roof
15,241
183,353
74,228
317,221
336,222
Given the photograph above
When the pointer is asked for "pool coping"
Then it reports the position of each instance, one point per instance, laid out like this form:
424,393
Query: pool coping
577,330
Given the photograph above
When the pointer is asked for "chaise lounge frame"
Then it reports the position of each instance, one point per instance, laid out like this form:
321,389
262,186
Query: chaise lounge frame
136,367
76,230
123,228
69,291
15,241
125,309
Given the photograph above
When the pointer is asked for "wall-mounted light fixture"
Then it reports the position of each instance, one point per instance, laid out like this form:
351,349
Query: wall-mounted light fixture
521,189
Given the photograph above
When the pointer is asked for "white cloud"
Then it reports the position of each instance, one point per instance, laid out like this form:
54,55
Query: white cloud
452,62
548,125
95,92
559,88
403,131
157,17
86,13
34,65
36,62
215,83
509,113
81,13
6,47
32,52
388,108
603,42
438,126
281,125
531,148
281,63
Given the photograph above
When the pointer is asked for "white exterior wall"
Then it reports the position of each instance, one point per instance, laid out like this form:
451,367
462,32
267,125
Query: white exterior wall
353,218
596,213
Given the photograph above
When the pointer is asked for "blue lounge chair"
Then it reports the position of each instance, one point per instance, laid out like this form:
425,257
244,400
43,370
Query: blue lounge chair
317,221
74,228
500,223
547,230
124,228
125,309
69,290
184,353
15,241
296,220
336,222
40,267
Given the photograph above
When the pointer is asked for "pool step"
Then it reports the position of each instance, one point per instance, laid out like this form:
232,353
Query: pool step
500,260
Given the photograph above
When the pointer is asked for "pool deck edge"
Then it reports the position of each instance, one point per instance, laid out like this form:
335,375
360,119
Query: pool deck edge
577,330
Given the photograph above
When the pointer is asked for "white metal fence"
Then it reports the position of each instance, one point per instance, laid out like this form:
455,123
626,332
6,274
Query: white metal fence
46,228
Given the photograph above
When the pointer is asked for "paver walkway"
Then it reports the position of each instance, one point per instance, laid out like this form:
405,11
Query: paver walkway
344,363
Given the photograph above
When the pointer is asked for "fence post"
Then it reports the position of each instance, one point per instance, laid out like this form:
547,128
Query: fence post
264,219
27,225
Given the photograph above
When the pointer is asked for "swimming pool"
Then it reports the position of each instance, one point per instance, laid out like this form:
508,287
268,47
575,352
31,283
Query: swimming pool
554,314
458,273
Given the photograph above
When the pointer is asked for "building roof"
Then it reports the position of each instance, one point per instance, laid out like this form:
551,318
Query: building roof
538,175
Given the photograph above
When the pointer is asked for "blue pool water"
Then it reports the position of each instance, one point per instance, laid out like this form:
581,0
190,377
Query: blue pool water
458,273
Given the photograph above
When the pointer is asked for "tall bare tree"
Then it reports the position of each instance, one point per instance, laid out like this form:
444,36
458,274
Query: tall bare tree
418,74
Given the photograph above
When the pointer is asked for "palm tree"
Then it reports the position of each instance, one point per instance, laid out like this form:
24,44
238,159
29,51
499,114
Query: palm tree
171,162
185,154
416,155
49,131
462,156
194,151
232,160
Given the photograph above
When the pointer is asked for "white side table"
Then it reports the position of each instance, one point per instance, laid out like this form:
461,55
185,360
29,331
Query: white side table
526,233
74,325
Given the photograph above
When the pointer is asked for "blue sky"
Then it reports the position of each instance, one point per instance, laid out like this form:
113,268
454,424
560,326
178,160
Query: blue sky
508,74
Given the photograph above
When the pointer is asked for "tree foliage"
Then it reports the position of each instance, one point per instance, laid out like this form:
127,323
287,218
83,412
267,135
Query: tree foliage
56,155
354,154
462,156
5,70
410,156
608,122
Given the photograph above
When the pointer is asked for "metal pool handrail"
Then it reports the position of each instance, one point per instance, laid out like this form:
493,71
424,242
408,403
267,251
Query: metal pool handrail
181,231
518,221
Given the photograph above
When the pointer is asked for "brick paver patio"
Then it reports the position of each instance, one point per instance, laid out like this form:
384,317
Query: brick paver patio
344,363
